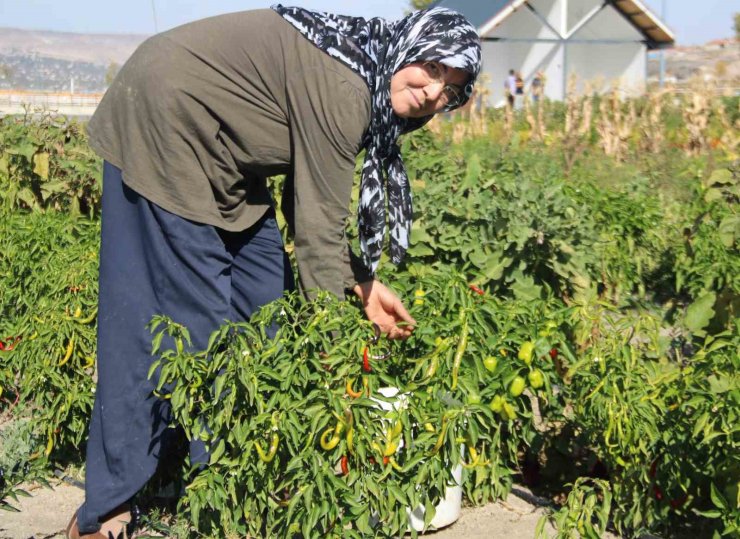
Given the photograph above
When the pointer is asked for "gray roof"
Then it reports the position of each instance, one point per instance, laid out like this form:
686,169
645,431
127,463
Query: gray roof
477,12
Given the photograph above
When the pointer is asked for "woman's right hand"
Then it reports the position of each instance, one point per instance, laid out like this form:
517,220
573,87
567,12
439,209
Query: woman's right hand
385,309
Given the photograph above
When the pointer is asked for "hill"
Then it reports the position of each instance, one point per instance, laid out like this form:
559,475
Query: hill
45,60
99,49
716,60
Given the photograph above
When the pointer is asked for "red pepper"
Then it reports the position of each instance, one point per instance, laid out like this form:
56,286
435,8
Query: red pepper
344,465
372,461
658,492
676,503
366,360
7,344
386,460
477,290
653,468
553,353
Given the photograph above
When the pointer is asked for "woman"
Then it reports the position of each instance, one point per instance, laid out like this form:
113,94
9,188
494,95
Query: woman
192,125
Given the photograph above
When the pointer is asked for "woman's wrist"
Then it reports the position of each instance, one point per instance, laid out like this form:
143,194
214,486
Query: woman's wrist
363,289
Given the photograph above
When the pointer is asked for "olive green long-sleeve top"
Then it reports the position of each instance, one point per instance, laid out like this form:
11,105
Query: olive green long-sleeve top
200,115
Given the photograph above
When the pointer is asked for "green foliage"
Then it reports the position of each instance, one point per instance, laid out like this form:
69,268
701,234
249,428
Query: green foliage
420,4
16,446
45,163
585,513
708,259
249,388
631,225
494,216
622,387
639,398
48,288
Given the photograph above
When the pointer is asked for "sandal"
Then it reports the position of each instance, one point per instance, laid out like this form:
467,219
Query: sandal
73,531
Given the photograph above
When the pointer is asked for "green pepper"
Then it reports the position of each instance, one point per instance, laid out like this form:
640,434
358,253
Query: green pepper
536,379
474,458
517,386
549,326
270,454
508,411
67,353
351,440
397,429
390,449
497,403
440,346
490,363
461,345
275,440
88,318
525,352
330,443
441,437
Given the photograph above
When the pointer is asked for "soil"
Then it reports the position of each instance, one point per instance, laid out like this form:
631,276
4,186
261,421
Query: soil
44,515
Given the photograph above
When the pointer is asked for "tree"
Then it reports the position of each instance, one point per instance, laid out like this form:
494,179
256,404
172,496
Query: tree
113,69
6,72
420,4
737,26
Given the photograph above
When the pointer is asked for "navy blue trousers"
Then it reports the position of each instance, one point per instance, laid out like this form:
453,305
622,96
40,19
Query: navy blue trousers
154,262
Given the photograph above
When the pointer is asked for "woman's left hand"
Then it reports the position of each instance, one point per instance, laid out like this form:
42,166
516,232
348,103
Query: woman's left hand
385,309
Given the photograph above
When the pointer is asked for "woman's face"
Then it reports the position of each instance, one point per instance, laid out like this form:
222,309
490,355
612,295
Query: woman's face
425,88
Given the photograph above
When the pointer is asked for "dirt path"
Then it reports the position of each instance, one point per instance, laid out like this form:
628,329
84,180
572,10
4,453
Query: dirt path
45,514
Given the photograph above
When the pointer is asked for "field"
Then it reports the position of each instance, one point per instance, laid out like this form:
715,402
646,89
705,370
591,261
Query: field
574,271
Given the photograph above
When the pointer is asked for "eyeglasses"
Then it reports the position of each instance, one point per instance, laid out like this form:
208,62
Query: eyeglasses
452,95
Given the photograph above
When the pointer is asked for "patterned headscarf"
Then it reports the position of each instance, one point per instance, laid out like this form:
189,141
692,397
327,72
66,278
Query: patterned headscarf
375,49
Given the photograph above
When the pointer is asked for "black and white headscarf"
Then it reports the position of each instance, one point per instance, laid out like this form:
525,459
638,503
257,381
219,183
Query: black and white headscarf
375,49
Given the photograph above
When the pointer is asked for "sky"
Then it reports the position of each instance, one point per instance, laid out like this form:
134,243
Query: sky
694,22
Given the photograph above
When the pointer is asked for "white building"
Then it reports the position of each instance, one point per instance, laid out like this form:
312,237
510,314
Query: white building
597,40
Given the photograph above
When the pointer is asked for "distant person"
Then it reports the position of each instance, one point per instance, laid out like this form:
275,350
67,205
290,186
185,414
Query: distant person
537,86
519,83
510,88
189,130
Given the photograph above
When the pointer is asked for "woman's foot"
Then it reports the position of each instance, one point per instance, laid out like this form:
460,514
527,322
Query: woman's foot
113,526
114,523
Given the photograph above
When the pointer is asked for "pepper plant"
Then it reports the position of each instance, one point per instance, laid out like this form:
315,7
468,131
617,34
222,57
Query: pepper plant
45,163
48,275
299,441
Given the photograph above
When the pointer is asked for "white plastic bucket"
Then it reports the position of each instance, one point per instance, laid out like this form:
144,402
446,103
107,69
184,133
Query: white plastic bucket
448,509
